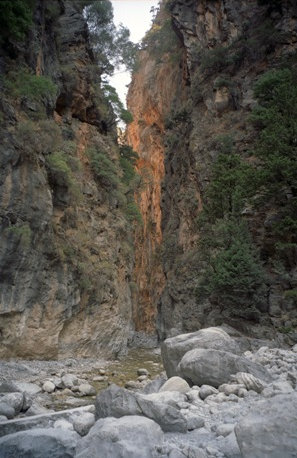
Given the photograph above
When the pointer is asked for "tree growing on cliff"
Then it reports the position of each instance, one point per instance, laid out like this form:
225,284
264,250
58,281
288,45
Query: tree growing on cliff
234,277
275,118
15,18
110,43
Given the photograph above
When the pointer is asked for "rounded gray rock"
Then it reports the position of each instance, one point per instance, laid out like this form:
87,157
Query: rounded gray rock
175,384
7,410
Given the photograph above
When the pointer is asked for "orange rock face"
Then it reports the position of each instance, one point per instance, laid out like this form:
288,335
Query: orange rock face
149,100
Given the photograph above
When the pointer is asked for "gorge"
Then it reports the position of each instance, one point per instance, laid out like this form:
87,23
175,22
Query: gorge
173,240
77,258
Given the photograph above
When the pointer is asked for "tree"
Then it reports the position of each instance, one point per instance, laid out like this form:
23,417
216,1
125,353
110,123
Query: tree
15,18
111,44
234,277
275,118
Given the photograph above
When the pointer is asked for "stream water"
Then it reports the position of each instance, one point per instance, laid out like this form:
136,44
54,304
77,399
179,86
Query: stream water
119,372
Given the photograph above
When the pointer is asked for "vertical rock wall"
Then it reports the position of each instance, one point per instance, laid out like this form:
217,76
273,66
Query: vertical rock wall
65,247
155,85
225,47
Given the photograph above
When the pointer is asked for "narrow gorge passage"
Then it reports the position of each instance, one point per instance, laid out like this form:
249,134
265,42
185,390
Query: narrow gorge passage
148,252
197,230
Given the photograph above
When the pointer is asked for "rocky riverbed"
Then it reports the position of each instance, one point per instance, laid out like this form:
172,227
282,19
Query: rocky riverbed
226,396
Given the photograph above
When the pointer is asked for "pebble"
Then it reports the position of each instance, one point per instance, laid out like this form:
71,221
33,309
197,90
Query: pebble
143,372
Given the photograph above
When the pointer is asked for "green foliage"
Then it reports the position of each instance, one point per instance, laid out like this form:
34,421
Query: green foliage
105,170
15,18
234,275
111,44
132,212
35,138
276,145
291,294
130,179
231,183
222,82
161,39
128,158
34,87
118,107
60,166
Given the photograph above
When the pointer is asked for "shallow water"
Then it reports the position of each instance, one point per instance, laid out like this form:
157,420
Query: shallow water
119,372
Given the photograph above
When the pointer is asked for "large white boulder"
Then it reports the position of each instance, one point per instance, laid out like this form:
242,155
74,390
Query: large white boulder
269,430
39,443
215,367
125,437
174,348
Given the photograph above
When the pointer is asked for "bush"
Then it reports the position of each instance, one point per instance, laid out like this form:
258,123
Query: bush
34,87
61,174
132,213
105,170
161,39
40,137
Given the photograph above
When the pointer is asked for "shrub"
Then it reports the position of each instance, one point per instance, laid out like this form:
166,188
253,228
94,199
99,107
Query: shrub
58,164
105,170
132,213
34,87
161,39
40,137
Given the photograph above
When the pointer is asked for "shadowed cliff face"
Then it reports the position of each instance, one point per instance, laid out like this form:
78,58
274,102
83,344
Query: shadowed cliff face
65,246
225,48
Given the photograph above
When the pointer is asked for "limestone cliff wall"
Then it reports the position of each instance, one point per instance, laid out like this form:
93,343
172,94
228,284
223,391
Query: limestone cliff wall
208,99
155,85
65,245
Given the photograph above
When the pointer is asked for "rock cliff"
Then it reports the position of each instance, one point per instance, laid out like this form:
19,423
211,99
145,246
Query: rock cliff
187,97
65,248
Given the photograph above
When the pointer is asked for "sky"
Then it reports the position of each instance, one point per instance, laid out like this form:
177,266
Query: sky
136,16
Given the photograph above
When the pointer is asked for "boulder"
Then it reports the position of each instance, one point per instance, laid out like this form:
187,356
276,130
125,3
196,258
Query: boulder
125,437
30,388
48,387
118,402
172,398
168,417
207,390
63,424
8,387
269,430
39,443
175,384
69,380
7,410
174,348
83,423
215,367
86,389
249,381
15,400
154,385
